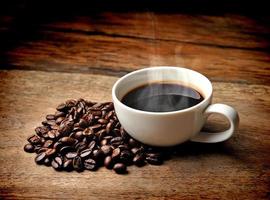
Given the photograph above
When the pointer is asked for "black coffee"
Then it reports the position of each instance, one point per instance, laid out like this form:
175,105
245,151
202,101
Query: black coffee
162,97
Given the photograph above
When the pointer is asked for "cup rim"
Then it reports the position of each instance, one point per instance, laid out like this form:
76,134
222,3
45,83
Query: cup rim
115,98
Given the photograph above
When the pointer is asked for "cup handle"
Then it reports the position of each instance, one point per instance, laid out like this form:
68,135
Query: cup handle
225,110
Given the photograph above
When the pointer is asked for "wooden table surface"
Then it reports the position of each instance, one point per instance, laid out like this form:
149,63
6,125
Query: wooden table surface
46,60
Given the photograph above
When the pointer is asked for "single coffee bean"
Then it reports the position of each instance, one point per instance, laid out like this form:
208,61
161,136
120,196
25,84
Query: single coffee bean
95,127
57,163
107,150
34,139
42,149
116,141
79,135
77,164
47,162
108,163
66,127
109,127
50,117
57,145
83,123
90,164
101,134
50,152
59,114
154,160
103,121
126,157
67,165
123,147
116,153
98,154
65,149
49,123
80,146
104,142
120,168
139,159
85,153
61,107
52,134
41,130
71,155
37,147
92,145
67,140
71,103
59,120
40,158
88,132
133,143
29,148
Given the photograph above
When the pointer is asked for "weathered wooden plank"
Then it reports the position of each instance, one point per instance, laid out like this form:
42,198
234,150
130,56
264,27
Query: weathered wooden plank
73,52
236,169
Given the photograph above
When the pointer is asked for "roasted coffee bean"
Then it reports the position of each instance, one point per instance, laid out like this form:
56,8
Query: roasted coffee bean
126,157
52,134
154,159
29,148
107,150
139,159
95,127
67,140
85,153
47,162
40,158
59,120
101,134
108,163
54,127
34,139
96,113
116,141
77,164
61,107
50,152
49,123
66,149
109,127
71,155
137,150
123,147
92,145
133,143
120,168
104,142
78,135
124,134
71,103
50,117
88,132
42,149
57,146
57,163
103,121
41,130
116,153
59,114
90,164
67,165
66,127
48,144
98,154
109,115
80,146
37,147
116,132
83,123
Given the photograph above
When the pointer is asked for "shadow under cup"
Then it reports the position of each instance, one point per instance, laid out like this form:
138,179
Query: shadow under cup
162,128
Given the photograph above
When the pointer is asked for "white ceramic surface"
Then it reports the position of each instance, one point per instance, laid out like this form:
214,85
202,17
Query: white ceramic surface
171,128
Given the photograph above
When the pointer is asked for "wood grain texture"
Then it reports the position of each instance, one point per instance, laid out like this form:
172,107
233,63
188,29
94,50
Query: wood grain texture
236,169
116,43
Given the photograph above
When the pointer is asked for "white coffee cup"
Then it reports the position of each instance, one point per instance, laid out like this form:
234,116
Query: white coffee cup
175,127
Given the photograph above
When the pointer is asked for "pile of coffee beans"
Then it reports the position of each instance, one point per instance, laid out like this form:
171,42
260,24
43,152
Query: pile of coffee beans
84,135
